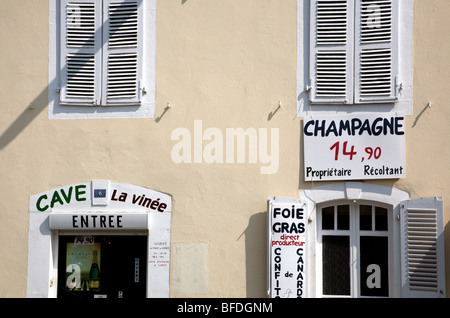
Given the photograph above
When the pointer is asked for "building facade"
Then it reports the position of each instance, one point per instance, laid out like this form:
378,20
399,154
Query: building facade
205,148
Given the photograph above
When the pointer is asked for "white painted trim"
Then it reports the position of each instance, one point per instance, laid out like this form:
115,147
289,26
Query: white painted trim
147,108
40,260
353,234
352,191
43,242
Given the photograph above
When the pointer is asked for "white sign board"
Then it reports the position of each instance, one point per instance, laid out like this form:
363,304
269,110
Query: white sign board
354,147
287,246
98,221
101,196
94,206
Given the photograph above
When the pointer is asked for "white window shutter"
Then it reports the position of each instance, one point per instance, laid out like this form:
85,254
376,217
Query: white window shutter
422,248
122,52
331,51
376,54
80,52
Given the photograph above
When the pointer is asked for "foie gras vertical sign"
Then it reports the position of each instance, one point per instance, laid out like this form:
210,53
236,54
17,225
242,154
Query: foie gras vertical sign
287,248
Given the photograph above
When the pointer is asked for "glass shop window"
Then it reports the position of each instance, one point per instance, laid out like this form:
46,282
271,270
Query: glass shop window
102,266
355,241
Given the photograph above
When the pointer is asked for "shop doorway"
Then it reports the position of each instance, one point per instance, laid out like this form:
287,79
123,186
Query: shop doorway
102,266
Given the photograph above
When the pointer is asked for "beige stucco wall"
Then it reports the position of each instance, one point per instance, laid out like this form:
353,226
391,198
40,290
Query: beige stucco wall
227,63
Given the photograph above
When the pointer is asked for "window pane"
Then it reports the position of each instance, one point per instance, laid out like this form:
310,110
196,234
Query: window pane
381,219
365,218
374,266
336,265
343,217
328,218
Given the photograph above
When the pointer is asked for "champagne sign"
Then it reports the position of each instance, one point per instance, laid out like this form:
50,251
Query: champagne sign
354,147
287,248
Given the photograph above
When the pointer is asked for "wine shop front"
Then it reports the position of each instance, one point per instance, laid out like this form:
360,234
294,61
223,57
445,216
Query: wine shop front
99,239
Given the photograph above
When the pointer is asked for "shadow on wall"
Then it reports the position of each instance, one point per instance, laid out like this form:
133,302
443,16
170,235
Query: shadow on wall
256,255
24,119
40,103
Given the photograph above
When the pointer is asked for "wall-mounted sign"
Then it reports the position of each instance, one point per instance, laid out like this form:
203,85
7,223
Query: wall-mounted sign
100,195
98,221
90,207
287,223
354,147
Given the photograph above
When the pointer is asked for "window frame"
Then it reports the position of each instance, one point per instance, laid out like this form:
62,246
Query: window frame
354,233
402,205
146,84
404,79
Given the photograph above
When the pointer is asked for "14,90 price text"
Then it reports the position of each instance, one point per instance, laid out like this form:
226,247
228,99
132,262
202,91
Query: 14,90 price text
372,153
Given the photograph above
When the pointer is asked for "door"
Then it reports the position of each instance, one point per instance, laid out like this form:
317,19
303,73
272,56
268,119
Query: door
102,266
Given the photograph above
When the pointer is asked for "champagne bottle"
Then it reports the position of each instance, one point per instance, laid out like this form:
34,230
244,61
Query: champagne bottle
94,273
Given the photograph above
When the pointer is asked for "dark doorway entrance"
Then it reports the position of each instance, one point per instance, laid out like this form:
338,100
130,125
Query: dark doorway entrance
102,266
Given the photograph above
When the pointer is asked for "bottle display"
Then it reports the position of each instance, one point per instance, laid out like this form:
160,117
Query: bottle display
102,266
94,273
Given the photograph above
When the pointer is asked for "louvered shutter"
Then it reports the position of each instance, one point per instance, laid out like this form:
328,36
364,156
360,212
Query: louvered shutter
376,60
122,52
422,248
80,52
331,55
